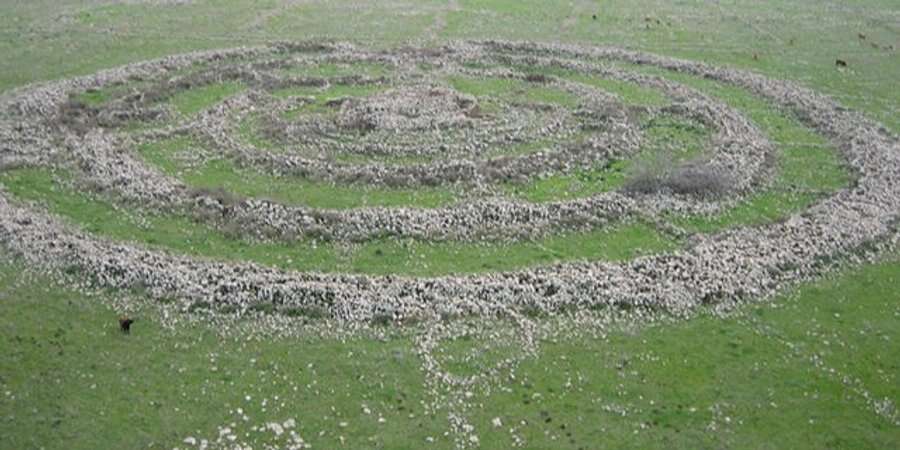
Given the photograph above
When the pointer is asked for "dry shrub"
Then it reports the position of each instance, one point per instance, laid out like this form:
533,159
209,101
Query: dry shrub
537,78
694,179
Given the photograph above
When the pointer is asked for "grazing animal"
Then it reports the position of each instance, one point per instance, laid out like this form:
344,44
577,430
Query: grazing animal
594,17
125,324
840,63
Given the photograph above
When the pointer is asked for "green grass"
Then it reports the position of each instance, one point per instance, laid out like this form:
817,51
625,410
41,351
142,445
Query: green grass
384,256
759,209
757,368
385,23
513,90
621,242
67,369
298,191
630,93
164,154
580,184
677,139
192,101
468,355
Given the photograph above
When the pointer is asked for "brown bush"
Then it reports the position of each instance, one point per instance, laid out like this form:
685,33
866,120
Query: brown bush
694,179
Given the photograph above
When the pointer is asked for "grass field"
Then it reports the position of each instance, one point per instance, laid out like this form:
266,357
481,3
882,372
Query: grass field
816,367
807,371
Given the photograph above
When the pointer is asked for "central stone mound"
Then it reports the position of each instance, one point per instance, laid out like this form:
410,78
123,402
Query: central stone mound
409,108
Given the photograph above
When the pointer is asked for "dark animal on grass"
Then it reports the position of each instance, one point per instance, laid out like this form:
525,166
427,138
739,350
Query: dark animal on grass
125,324
840,63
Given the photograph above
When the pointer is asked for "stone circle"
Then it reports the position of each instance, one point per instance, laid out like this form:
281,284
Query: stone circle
412,129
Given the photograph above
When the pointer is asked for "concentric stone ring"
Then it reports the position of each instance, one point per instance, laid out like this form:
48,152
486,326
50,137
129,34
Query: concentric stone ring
412,127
